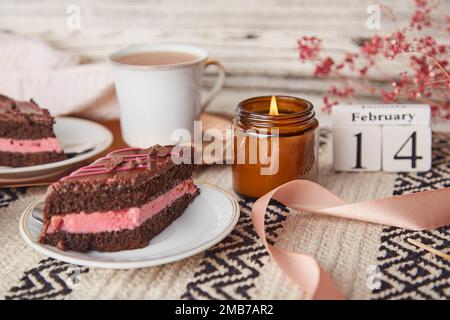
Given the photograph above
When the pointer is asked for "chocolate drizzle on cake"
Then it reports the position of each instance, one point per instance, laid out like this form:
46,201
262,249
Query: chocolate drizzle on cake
113,162
128,159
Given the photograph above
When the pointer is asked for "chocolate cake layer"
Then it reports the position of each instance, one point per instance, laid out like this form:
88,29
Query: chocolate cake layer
133,188
22,128
120,240
16,159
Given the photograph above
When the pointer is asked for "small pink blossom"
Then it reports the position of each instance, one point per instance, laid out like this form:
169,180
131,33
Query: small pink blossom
323,68
309,48
373,46
421,17
342,93
327,104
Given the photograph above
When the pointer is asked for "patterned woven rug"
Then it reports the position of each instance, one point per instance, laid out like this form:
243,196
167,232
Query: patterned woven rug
367,261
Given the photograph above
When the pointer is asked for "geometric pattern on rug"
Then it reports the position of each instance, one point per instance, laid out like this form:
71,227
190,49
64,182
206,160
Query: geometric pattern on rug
230,269
8,195
408,272
51,279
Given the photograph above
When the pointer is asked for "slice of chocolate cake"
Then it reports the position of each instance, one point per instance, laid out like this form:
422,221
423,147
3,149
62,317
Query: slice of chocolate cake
26,134
119,202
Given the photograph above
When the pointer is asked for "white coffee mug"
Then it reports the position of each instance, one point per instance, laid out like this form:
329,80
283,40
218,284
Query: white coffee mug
155,100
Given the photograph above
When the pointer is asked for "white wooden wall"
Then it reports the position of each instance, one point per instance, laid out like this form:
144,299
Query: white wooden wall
254,38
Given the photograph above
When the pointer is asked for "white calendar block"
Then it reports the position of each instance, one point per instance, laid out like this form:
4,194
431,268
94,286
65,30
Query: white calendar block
357,148
406,148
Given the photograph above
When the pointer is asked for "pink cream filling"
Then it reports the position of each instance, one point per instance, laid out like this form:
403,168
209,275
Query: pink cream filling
30,146
118,220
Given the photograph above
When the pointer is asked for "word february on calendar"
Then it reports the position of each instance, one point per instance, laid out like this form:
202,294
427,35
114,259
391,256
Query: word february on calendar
388,137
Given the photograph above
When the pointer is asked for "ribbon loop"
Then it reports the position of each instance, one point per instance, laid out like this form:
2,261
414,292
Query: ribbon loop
417,211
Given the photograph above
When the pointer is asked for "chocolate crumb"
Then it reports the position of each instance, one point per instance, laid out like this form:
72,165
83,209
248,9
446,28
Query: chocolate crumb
113,162
165,161
163,152
179,153
153,152
130,164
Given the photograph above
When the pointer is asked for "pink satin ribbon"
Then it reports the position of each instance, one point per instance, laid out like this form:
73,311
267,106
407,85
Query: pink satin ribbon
417,211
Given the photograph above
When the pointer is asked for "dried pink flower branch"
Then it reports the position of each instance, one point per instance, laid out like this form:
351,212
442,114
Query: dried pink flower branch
425,79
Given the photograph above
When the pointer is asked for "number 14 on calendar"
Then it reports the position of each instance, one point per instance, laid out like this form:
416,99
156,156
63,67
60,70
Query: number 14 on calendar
393,138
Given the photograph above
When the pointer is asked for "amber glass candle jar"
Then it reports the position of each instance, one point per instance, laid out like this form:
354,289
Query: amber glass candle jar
289,138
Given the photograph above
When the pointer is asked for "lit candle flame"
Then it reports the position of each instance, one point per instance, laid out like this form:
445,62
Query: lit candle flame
273,107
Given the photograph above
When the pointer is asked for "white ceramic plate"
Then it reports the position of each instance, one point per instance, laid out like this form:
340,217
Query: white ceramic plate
75,135
207,220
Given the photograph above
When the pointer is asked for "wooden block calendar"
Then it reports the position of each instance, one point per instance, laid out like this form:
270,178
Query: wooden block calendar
392,138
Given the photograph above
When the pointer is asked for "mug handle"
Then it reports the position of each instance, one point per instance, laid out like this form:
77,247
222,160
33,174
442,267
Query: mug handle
217,85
